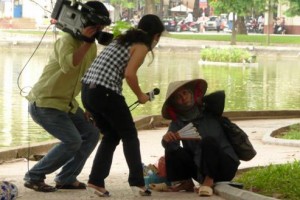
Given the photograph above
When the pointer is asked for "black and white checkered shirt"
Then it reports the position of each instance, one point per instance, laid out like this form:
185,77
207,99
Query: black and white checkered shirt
108,68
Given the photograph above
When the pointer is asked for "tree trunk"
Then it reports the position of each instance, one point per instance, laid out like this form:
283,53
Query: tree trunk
161,8
241,27
233,34
130,11
196,10
150,7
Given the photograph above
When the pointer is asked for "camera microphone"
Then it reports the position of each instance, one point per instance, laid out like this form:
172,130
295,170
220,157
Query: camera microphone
151,94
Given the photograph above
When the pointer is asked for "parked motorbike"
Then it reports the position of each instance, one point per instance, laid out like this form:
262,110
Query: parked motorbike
279,29
170,23
182,26
253,26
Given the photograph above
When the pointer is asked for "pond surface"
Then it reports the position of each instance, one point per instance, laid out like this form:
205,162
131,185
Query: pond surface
273,85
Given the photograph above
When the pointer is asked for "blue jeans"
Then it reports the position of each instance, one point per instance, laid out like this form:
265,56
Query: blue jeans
78,139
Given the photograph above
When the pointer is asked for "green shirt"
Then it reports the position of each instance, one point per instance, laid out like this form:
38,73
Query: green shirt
60,81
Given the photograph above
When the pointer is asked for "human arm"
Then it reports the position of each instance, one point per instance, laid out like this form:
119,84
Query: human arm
89,117
79,53
170,137
170,140
138,53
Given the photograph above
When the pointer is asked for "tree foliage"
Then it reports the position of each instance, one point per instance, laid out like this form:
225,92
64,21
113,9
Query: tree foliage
294,7
240,7
122,3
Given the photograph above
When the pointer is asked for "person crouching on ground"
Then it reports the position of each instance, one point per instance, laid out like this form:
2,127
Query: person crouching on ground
53,106
102,97
208,159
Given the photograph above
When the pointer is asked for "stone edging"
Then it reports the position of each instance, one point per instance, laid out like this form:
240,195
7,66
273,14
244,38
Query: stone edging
268,139
229,64
228,192
154,121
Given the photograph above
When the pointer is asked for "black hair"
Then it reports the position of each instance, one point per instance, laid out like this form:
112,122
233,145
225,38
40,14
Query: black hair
96,13
148,26
99,8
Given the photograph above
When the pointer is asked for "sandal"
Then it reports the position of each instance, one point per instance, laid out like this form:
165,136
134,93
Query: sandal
139,191
39,186
93,192
205,191
79,186
159,187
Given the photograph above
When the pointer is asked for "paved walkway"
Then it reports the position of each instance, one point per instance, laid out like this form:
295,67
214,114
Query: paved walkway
267,153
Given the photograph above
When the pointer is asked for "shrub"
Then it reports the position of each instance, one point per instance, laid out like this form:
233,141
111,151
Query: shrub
233,55
119,27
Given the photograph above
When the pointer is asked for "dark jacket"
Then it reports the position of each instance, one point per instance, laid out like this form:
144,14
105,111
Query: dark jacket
207,124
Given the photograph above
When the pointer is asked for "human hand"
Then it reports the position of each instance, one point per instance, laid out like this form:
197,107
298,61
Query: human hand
170,137
89,31
88,116
143,98
53,21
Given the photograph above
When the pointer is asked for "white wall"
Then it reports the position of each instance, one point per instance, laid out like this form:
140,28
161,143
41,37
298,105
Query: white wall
32,10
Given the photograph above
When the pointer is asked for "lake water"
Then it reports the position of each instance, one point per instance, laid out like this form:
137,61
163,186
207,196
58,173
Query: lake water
273,85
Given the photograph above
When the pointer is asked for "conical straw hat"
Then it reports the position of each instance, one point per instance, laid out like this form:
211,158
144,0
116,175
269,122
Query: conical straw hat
175,86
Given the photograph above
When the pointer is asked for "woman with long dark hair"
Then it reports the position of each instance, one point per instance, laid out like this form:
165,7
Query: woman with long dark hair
102,96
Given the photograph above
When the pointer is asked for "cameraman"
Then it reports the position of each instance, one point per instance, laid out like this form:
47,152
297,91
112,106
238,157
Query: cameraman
53,106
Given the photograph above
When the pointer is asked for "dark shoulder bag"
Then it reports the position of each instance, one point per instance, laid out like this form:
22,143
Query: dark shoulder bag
215,103
238,139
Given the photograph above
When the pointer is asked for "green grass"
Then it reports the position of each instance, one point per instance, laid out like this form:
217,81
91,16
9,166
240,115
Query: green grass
293,133
252,39
279,181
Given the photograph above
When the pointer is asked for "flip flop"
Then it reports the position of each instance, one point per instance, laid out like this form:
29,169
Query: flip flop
80,186
159,187
137,191
93,192
205,191
39,186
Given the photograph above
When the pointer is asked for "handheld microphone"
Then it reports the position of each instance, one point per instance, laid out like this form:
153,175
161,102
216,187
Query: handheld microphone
151,94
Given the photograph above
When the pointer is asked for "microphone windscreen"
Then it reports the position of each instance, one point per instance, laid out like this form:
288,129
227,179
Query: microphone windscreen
156,91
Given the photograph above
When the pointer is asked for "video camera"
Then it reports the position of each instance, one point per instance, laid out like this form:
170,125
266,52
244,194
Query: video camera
70,18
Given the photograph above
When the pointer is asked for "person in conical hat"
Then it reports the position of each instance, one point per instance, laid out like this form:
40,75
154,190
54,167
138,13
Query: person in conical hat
197,88
196,147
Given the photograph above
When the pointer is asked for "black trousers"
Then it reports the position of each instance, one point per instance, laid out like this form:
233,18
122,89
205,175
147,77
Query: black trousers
215,163
115,122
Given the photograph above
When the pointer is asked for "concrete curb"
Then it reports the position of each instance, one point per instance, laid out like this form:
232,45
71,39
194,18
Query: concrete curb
268,139
26,151
228,192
